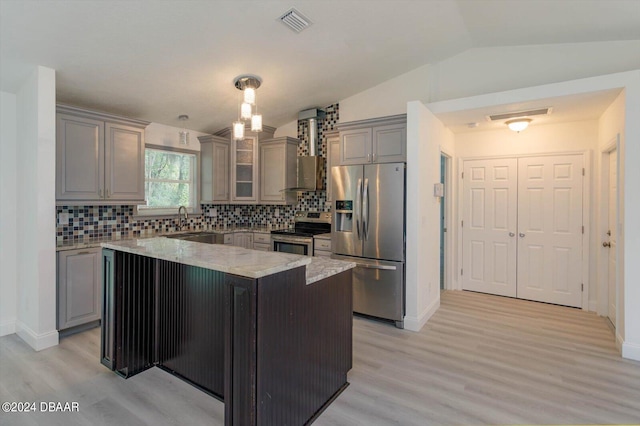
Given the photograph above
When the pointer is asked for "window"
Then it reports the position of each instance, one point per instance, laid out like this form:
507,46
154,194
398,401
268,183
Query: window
169,181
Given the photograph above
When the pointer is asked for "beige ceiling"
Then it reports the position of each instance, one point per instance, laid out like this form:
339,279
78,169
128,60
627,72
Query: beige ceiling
155,60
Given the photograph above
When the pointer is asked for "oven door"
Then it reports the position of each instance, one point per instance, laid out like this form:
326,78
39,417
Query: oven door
290,244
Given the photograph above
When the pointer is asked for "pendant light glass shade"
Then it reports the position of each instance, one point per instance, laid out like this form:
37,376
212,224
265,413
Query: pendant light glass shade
238,130
184,133
250,95
256,123
245,111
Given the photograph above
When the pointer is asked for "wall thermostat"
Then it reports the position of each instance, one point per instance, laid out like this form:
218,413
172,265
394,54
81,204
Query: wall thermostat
438,189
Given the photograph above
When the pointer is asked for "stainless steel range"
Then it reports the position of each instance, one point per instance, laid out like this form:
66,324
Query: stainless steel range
300,239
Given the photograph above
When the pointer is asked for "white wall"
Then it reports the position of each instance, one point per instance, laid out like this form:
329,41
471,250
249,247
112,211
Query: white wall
487,70
289,129
388,98
629,241
537,139
8,218
425,136
160,134
36,250
493,69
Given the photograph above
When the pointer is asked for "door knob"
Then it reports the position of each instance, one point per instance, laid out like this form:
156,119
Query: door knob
512,234
606,244
521,235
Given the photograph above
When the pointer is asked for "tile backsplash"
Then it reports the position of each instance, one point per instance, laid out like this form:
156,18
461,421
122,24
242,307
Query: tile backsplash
88,222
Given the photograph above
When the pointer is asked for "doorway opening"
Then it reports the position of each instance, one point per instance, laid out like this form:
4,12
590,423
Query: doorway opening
445,179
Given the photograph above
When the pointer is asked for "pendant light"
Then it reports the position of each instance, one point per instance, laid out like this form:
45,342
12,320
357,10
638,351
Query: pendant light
184,133
248,84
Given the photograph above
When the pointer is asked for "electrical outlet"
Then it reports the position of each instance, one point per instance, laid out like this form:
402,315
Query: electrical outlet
276,212
213,212
63,218
238,210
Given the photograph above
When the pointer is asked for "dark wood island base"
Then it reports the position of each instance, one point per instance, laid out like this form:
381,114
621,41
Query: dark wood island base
274,349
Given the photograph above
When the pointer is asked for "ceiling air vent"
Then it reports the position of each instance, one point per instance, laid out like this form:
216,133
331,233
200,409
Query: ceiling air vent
295,20
541,111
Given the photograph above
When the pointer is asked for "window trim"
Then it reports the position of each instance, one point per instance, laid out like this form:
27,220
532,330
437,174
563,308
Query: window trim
165,213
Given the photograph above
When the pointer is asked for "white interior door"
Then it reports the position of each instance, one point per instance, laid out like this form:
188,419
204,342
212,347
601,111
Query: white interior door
613,222
489,226
550,229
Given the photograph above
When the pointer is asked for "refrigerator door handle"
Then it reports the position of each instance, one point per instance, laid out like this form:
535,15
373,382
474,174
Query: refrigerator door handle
365,210
381,267
358,207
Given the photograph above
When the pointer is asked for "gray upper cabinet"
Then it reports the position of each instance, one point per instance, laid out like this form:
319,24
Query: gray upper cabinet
380,140
355,146
278,159
79,295
214,169
333,158
99,158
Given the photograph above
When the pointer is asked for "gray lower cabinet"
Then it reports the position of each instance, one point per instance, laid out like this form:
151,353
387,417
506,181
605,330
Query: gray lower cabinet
321,247
99,158
261,241
79,290
278,163
214,169
243,239
379,140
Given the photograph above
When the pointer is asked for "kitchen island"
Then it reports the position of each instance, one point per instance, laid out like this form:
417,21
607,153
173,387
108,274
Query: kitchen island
268,333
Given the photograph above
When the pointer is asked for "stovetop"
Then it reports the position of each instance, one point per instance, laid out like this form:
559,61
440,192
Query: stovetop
301,232
308,224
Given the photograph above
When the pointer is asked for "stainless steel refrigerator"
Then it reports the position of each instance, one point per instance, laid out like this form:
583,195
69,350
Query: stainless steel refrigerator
369,229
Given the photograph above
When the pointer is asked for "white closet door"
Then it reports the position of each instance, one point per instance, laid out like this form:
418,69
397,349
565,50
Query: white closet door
613,225
489,226
550,229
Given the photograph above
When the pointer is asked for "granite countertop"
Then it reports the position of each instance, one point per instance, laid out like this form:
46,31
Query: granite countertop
96,242
326,236
322,267
219,257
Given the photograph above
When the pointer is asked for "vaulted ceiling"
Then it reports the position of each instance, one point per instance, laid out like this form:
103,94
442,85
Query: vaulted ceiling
155,60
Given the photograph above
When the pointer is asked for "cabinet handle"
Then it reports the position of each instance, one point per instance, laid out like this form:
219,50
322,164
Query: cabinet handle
100,193
108,196
373,156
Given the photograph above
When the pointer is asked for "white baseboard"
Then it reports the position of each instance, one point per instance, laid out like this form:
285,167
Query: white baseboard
7,327
631,351
37,341
416,323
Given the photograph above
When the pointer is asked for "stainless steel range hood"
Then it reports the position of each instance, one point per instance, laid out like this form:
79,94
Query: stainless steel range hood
311,167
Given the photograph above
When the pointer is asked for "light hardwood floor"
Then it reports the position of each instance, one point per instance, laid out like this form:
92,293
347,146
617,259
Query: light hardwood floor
480,360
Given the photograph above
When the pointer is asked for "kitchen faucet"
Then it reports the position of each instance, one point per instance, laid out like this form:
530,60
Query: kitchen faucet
186,216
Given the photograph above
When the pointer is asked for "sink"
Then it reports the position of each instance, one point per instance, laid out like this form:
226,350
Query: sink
200,237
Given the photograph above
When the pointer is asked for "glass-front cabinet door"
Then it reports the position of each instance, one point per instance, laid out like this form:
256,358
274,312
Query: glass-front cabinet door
244,160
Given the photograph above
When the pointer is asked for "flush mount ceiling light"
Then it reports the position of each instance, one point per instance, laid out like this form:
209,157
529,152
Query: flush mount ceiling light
184,133
518,124
248,84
